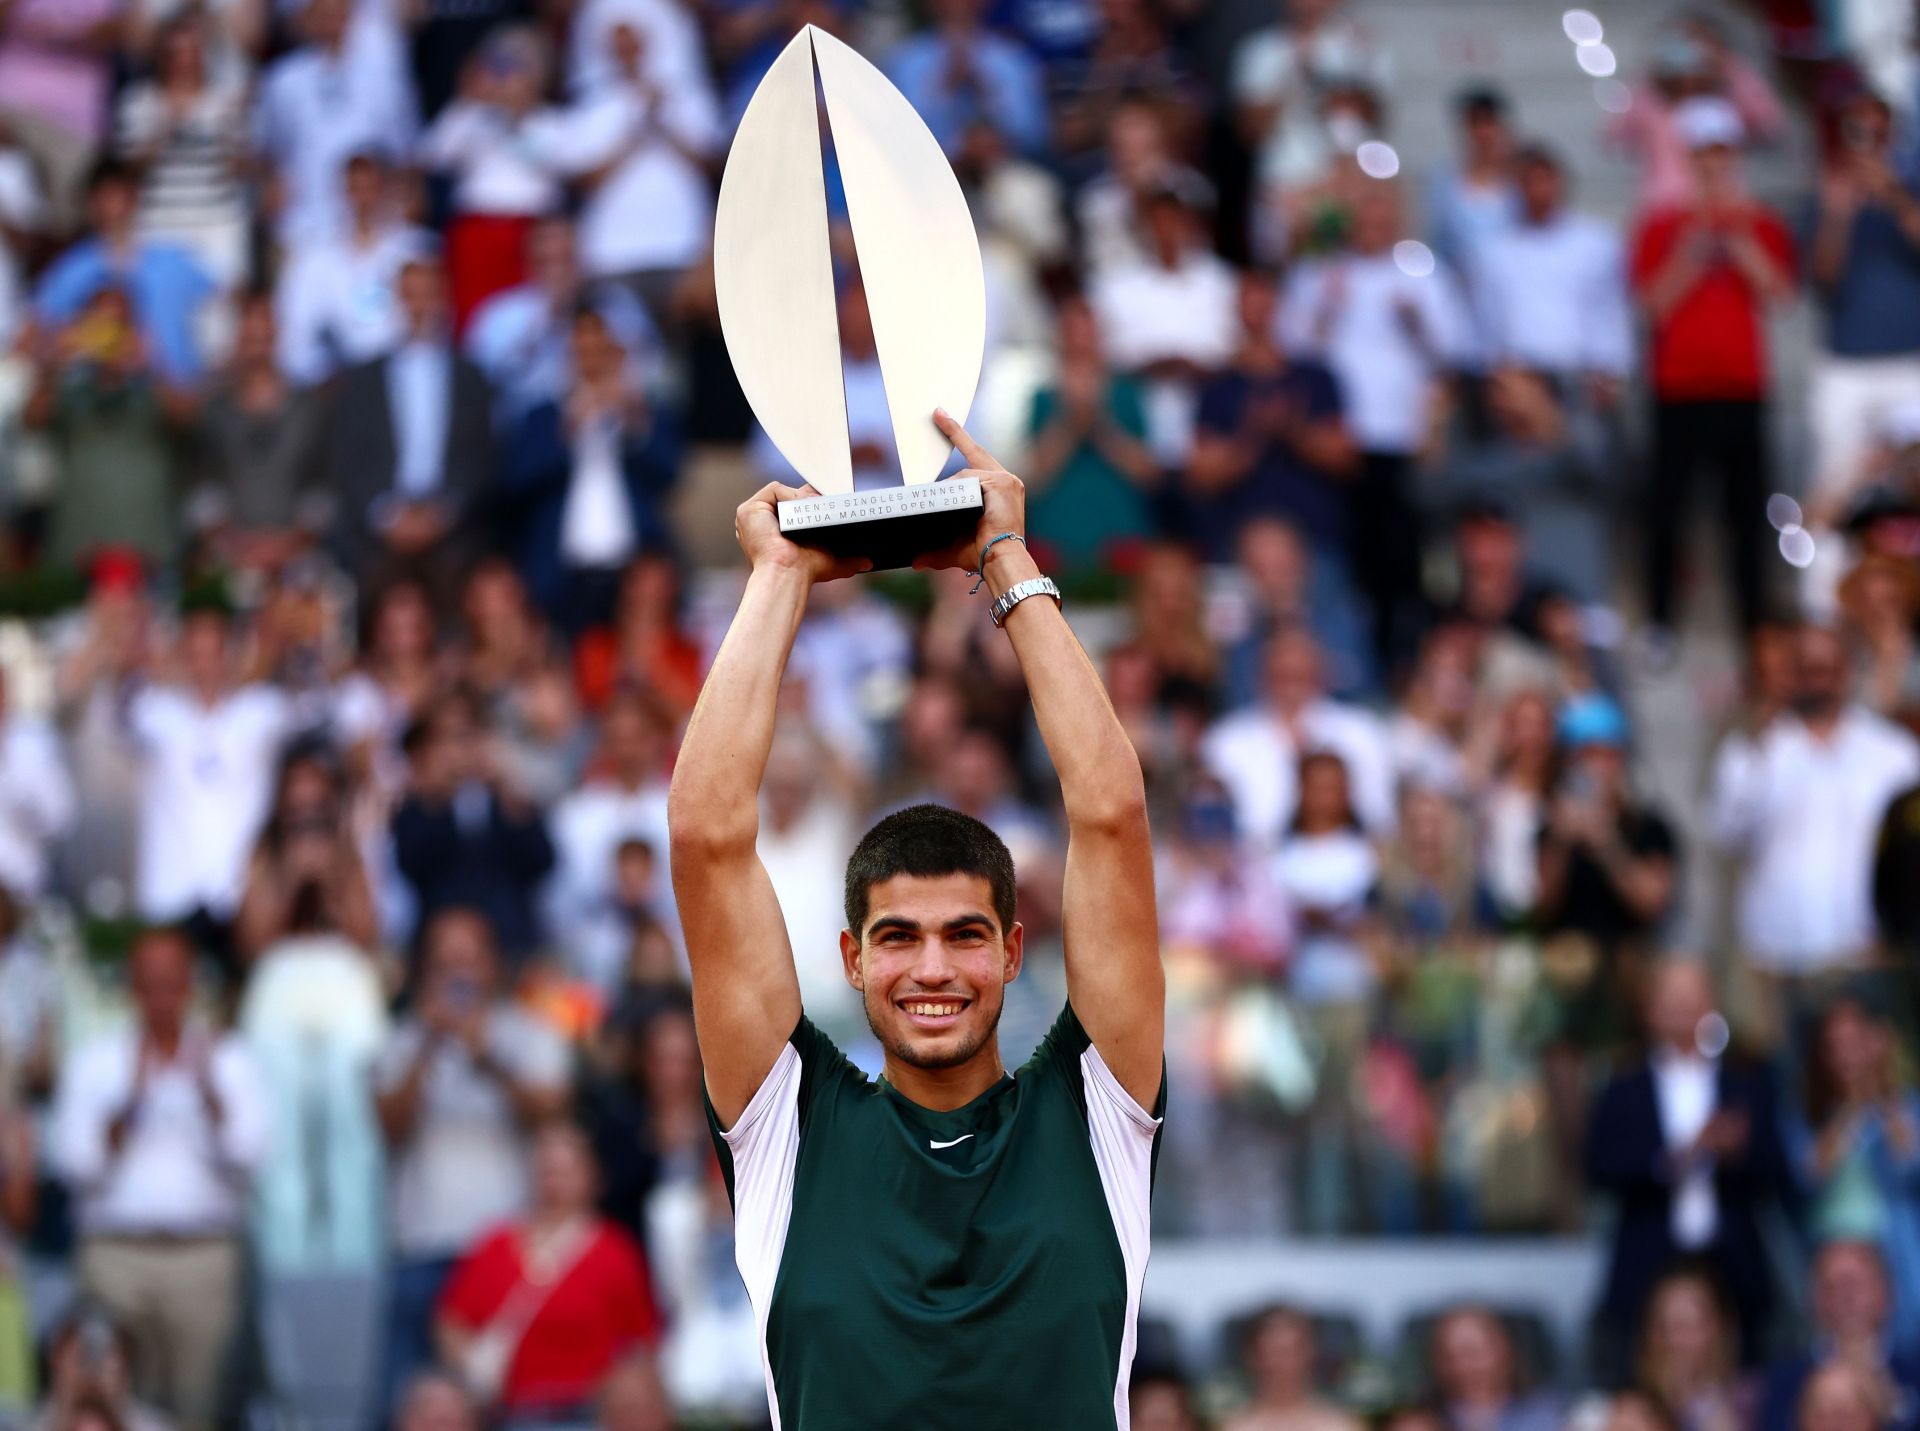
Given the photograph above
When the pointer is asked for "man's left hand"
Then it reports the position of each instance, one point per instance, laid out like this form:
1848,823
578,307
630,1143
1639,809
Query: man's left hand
1003,497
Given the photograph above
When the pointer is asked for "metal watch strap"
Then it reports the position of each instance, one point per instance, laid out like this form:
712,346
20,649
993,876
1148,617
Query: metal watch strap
1019,592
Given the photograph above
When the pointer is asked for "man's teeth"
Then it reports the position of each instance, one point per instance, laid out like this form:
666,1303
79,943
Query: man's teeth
932,1010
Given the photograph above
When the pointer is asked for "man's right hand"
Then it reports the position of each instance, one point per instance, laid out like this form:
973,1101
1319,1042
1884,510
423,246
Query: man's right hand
756,525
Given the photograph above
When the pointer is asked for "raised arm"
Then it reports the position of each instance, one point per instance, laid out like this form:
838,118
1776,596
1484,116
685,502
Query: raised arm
1111,930
746,997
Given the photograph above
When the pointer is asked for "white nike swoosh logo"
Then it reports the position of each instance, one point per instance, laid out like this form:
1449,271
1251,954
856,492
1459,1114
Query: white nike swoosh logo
937,1146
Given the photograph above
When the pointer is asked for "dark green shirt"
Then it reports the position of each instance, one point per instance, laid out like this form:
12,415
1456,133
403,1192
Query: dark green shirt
923,1271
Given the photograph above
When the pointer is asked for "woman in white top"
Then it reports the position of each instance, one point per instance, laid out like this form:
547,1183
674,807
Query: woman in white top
184,129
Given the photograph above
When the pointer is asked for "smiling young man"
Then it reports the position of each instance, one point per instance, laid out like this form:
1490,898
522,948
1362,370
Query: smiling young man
955,1246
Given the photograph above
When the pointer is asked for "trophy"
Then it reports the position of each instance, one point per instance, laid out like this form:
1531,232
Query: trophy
920,261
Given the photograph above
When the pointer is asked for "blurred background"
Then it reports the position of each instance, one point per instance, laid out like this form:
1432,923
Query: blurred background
1479,442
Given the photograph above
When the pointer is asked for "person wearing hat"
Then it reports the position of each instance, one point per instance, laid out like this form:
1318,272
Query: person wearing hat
1706,273
1606,864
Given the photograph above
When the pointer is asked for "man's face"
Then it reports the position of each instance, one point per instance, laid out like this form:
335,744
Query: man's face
460,954
1470,1357
203,649
111,206
162,983
1541,188
1682,997
423,297
932,964
366,185
1822,672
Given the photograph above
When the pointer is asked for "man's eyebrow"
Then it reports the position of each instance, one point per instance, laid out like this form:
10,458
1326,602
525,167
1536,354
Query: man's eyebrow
963,921
894,921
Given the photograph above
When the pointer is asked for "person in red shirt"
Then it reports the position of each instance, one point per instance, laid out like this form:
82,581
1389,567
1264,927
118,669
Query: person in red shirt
1706,273
540,1310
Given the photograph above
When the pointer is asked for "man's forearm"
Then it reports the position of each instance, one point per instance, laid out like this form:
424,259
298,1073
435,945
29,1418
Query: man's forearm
716,778
1100,780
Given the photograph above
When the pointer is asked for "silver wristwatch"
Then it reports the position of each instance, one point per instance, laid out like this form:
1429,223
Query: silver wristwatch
1019,592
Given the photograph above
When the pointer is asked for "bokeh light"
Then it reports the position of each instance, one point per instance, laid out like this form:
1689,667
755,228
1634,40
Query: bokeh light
1796,545
1597,60
1377,160
1583,27
1413,258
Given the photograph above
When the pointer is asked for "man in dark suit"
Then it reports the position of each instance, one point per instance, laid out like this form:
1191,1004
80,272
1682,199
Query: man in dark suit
410,445
1688,1144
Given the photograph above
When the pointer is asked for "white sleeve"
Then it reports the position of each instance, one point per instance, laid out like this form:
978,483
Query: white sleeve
1122,1134
245,1125
1738,794
764,1143
1610,333
77,1130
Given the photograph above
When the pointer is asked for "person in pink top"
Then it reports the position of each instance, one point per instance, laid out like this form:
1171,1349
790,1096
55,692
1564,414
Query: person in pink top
1691,60
56,60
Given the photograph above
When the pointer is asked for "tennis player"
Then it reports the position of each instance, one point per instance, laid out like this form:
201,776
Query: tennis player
958,1246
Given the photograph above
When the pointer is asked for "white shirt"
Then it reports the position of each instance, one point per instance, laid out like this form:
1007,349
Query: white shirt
1332,874
419,396
1257,758
1386,377
316,111
36,803
1150,313
336,304
518,338
177,1172
207,780
655,210
503,166
1805,814
1553,296
1274,67
587,828
464,1167
597,528
1685,1089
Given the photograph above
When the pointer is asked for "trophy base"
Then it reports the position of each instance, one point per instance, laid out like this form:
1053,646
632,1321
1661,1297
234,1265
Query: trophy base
890,526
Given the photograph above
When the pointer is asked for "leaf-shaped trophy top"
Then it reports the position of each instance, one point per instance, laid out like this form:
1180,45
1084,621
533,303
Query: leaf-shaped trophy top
919,259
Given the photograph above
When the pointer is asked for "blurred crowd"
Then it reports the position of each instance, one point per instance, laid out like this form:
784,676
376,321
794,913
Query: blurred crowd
368,448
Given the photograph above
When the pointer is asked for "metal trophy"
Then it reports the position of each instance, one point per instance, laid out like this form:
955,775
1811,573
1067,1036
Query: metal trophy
920,261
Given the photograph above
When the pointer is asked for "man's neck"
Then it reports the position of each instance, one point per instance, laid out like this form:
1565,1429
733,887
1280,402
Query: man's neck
944,1089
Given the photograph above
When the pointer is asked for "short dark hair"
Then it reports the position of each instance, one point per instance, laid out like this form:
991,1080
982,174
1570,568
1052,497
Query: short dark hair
1480,101
928,841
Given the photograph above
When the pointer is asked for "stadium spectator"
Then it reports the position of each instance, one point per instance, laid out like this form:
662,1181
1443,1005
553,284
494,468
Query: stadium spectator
1707,270
959,72
1688,1354
1843,1397
1091,479
506,155
648,136
156,1133
586,478
305,870
1476,1381
465,1077
648,643
436,1401
1852,1323
1513,805
1860,1151
1863,261
1255,751
89,1366
185,131
1270,440
411,441
623,798
164,287
1607,863
1280,1359
56,67
538,1311
1550,288
1389,335
332,97
1160,1400
1291,584
465,836
521,339
110,417
633,1398
1141,160
336,295
1474,199
1687,1143
36,799
1800,802
207,744
1168,319
260,441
